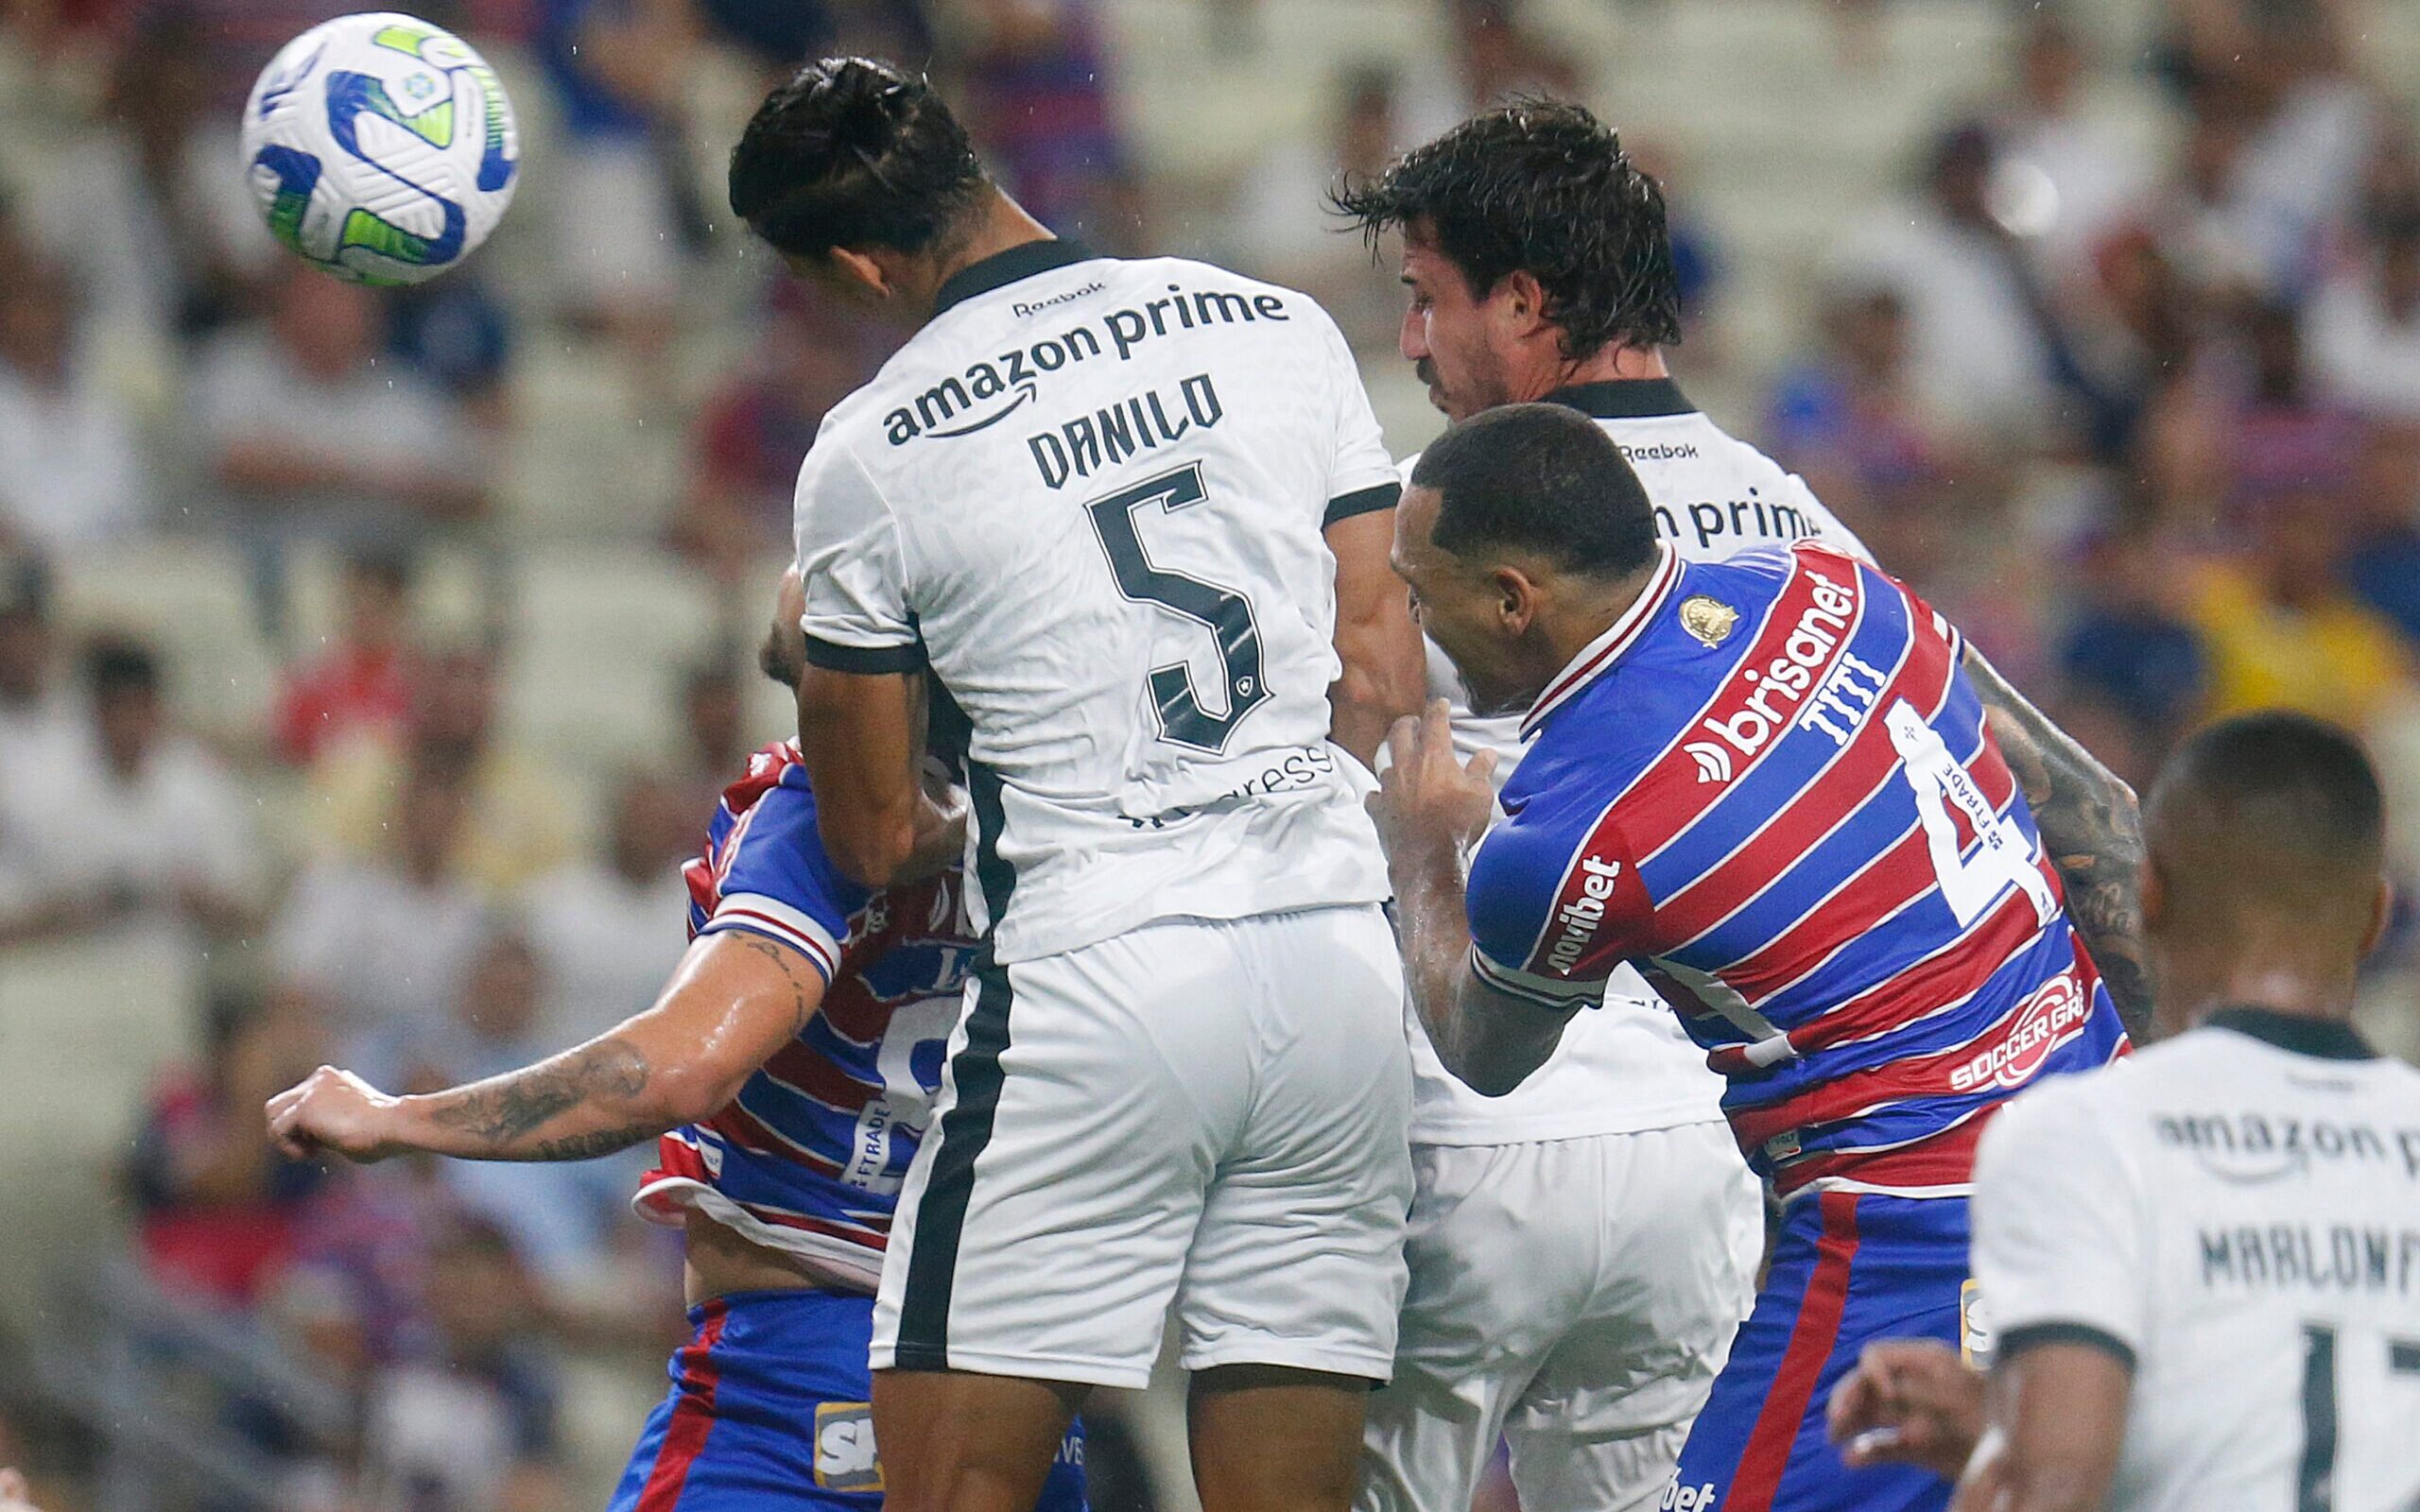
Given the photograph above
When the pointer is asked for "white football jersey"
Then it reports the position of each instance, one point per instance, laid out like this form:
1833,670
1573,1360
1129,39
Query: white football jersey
1626,1066
1090,495
2236,1213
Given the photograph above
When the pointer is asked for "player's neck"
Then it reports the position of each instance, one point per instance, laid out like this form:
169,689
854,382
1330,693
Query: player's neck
2269,980
1001,225
1611,364
1581,611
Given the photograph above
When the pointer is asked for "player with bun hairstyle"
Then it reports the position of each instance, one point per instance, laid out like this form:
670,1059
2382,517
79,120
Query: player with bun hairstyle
1134,515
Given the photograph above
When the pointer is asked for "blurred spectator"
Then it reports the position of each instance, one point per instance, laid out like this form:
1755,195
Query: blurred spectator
519,824
1279,228
2283,632
714,734
1851,422
2129,647
2049,140
217,1204
2383,565
34,708
625,206
608,930
133,814
458,334
561,1215
1978,347
2363,328
2251,425
352,1295
388,937
1039,105
147,207
308,435
361,688
470,1426
1495,55
71,474
753,430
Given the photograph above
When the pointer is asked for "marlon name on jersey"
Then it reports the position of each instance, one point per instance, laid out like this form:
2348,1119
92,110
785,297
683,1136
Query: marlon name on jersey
991,390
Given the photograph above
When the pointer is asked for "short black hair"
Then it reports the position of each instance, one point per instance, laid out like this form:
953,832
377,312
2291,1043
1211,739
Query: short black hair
119,663
854,152
1539,479
1541,187
2290,793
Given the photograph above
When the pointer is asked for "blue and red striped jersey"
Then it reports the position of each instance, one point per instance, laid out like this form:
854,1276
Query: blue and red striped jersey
1769,786
809,1156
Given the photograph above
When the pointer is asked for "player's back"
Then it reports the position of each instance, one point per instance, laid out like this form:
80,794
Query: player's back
808,1158
1770,787
1091,495
2237,1211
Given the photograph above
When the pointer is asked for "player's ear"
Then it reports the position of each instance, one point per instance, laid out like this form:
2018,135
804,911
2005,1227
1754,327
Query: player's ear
863,271
2381,914
1516,599
1522,300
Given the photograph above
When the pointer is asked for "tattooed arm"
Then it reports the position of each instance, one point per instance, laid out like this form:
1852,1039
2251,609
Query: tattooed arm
2092,830
736,999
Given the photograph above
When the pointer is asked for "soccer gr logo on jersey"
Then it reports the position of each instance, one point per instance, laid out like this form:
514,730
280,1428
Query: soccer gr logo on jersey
380,147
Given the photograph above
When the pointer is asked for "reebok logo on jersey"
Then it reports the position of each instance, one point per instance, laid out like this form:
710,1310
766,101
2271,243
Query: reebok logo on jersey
2052,1016
1576,921
1812,645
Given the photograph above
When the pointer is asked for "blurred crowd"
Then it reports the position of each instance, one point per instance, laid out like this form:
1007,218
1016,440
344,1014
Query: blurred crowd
2145,424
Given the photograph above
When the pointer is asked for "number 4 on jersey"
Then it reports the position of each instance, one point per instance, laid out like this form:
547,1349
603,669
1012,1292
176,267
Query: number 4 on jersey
1224,612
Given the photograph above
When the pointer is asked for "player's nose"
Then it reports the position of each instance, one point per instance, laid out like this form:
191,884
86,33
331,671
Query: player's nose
1412,340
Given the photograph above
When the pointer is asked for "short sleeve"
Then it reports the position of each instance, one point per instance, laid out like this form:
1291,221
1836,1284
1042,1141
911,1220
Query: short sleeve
849,557
778,882
1552,910
1362,475
2059,1242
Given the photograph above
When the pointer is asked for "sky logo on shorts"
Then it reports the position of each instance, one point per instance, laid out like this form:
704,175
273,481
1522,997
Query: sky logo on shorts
844,1452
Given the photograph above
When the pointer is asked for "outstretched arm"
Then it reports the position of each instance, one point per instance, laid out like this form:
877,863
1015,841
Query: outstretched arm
735,1000
1430,810
2093,831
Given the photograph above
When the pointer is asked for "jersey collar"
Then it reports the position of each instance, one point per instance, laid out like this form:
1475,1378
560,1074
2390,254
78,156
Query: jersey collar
1001,269
1623,399
2326,1039
1606,649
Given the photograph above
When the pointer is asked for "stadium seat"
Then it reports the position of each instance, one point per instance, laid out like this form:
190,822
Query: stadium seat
600,639
191,597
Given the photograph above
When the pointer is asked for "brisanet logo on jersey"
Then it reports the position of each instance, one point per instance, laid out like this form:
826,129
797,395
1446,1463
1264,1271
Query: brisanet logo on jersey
1758,701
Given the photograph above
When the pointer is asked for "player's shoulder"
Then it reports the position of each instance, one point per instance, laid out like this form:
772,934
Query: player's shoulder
2044,1127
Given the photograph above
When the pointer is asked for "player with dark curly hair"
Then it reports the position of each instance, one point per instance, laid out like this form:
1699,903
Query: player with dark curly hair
1540,267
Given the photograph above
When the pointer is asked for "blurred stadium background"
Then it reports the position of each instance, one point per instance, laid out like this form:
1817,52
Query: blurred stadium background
368,662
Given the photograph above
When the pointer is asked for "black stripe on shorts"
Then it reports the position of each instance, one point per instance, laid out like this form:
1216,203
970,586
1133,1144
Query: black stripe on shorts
941,1216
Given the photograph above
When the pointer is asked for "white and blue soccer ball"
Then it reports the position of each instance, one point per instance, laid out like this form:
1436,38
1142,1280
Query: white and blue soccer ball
380,147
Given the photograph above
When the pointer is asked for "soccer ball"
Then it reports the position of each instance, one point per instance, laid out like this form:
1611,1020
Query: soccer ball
380,147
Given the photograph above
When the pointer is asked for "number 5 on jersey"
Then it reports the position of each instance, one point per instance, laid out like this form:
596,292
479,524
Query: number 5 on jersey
1223,611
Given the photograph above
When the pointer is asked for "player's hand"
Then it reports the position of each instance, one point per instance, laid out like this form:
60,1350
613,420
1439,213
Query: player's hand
1426,796
335,1111
1909,1401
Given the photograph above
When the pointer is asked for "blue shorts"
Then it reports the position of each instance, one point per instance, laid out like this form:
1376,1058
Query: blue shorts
769,1411
1847,1269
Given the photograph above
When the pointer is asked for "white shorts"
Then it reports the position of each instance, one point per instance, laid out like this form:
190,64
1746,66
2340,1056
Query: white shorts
1205,1112
1576,1299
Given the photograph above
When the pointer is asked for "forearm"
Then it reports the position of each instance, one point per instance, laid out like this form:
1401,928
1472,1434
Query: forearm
2092,828
591,1099
1490,1045
1385,678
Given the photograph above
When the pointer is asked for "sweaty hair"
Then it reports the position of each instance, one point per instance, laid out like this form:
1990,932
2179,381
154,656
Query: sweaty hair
1540,188
854,153
2269,811
1539,479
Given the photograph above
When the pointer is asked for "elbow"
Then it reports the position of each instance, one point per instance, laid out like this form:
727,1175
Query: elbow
873,856
693,1093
